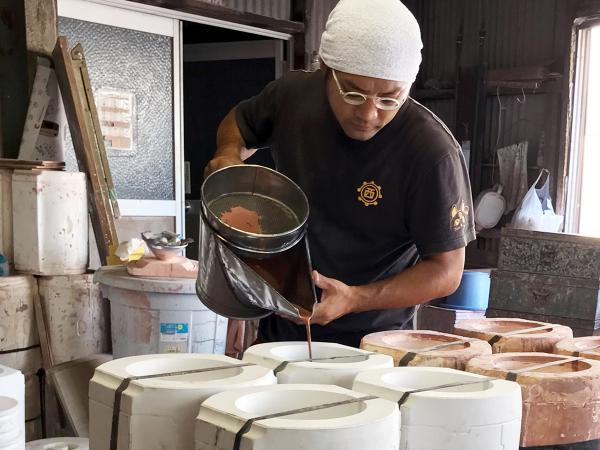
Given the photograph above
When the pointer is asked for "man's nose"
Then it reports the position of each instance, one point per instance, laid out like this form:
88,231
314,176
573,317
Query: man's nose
367,111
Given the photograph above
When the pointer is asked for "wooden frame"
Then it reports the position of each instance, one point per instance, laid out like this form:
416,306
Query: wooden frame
226,14
88,143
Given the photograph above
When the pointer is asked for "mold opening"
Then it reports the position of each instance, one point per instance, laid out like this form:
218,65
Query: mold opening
419,379
512,363
299,351
506,326
418,341
271,402
169,365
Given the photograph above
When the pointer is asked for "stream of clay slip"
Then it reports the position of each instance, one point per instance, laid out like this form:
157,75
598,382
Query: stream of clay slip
305,316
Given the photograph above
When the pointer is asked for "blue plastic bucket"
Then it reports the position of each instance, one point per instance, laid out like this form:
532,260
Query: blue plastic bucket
473,293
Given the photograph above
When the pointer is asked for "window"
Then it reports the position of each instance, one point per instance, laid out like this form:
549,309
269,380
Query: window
583,205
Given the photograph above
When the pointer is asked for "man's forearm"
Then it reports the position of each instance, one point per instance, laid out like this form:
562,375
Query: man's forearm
229,139
427,280
230,145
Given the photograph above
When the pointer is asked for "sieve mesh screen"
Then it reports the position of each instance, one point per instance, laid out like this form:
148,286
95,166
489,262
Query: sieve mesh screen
254,213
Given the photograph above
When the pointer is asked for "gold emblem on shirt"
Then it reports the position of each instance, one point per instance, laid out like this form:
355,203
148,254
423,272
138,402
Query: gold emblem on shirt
458,216
369,193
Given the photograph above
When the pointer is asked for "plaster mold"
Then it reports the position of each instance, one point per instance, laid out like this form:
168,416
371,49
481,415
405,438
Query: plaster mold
360,425
588,347
332,363
472,414
426,348
511,335
561,395
158,413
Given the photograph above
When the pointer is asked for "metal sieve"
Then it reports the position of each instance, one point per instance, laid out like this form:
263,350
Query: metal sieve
279,204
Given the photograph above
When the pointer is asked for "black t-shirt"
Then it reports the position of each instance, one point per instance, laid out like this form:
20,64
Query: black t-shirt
376,206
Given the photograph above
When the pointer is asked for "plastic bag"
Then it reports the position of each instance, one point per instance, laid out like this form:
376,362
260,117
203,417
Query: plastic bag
535,211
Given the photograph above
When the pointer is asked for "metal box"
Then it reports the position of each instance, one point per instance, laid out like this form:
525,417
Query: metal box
563,255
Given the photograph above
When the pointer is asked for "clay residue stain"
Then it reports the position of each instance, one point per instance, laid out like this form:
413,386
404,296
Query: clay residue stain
242,219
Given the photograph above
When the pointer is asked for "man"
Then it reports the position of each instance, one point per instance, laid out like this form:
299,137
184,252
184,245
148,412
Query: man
386,182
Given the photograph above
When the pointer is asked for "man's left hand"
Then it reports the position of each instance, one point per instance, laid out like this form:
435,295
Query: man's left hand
336,299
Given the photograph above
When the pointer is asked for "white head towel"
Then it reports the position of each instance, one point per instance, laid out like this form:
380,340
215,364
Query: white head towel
373,38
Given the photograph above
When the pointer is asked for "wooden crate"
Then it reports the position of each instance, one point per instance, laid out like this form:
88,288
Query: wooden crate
548,295
557,254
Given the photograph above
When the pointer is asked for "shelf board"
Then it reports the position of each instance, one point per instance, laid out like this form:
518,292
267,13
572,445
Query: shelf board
434,94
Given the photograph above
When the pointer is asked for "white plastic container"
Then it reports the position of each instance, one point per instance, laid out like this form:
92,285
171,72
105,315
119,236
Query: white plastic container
11,433
485,415
159,315
12,384
18,330
50,222
333,363
159,413
362,425
6,225
61,443
79,322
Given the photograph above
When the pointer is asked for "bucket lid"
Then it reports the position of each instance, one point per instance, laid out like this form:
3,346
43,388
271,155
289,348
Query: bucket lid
117,276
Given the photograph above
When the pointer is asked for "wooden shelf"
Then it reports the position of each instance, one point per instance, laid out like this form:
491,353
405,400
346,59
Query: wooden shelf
434,94
495,166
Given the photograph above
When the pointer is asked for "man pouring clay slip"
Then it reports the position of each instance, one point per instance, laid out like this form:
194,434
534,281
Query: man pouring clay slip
389,194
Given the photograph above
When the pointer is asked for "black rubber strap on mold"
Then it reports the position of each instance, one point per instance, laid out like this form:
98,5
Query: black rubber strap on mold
406,359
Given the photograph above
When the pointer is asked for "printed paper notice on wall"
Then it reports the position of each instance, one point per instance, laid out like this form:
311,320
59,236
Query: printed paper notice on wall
116,113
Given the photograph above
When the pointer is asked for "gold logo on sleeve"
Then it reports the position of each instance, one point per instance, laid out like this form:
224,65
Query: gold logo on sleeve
458,216
369,193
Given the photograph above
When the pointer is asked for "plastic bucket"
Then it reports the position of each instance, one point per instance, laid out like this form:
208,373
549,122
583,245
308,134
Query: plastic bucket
473,292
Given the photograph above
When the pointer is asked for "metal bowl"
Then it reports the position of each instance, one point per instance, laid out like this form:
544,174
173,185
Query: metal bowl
280,203
167,253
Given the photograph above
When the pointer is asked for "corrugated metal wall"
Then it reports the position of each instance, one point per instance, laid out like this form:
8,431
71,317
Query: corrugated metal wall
278,9
518,33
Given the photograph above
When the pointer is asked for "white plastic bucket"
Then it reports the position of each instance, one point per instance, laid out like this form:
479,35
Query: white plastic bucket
159,315
50,222
11,432
80,320
12,384
61,443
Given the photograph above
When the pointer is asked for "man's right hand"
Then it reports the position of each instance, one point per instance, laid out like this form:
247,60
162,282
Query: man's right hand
220,162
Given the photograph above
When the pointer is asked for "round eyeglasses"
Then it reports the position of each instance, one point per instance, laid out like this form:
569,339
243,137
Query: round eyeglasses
358,98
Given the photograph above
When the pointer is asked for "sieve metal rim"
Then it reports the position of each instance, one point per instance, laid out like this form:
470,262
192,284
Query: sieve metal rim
211,216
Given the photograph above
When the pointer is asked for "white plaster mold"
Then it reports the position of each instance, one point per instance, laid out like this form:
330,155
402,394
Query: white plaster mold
159,413
479,415
371,424
334,364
